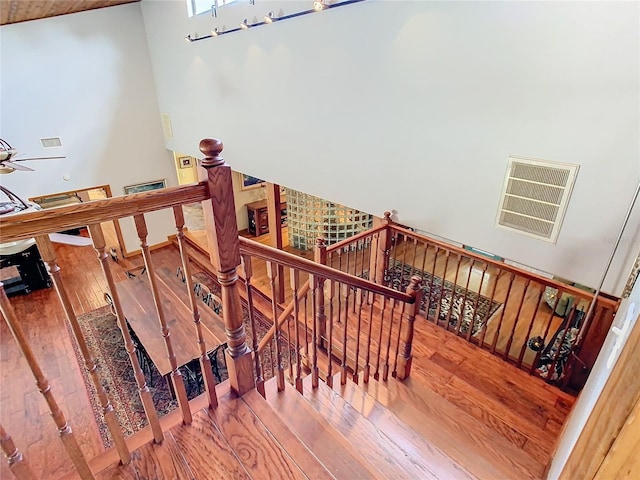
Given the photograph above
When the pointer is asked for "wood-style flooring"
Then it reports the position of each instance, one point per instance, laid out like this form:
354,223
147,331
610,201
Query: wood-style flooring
451,380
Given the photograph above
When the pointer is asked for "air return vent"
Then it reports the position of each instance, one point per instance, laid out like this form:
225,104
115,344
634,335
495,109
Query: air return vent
51,142
535,196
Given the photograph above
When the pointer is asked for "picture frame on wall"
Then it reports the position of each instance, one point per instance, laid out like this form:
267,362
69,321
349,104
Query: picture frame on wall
249,182
186,162
145,186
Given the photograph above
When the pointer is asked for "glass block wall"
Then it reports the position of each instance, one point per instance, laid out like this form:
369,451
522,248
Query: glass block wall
309,218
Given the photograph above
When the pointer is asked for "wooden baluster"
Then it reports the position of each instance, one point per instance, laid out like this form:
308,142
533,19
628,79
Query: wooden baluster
477,302
330,335
367,367
359,324
567,324
344,363
488,312
523,348
516,320
431,282
224,251
411,309
274,215
546,330
339,252
64,430
394,372
415,253
16,462
205,361
396,267
376,374
99,243
424,259
385,369
272,274
464,302
320,256
176,377
48,254
453,295
248,273
289,338
314,340
442,287
504,309
373,264
380,257
295,275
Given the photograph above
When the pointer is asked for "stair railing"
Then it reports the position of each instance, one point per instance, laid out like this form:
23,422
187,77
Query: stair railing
520,316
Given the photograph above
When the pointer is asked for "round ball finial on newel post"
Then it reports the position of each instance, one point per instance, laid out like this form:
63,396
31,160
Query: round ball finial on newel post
211,148
387,218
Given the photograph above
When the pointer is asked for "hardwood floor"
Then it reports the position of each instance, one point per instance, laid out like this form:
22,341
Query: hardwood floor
522,413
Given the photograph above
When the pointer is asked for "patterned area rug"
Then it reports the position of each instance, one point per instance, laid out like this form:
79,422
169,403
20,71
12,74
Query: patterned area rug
106,345
472,308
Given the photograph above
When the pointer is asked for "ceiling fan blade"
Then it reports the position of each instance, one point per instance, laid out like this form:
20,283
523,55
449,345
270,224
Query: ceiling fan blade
36,158
75,240
15,166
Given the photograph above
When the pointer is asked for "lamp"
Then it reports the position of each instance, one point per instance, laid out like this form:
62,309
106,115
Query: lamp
244,25
319,6
214,32
268,18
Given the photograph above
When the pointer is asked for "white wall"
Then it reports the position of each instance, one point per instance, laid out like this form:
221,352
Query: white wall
415,106
86,78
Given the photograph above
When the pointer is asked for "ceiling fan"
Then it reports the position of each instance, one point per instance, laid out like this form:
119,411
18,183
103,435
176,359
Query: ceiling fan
13,204
8,160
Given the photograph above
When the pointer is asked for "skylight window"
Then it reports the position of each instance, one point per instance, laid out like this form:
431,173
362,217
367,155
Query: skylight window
196,7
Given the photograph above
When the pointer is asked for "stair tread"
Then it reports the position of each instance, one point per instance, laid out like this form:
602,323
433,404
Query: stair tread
303,457
392,456
251,442
464,438
207,450
329,446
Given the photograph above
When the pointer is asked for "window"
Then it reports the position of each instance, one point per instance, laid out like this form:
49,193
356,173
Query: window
196,7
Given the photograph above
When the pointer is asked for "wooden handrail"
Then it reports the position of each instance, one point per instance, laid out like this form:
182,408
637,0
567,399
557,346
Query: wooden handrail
27,225
355,238
268,253
611,303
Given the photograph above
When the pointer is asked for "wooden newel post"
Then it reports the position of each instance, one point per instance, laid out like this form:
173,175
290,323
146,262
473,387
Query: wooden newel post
406,335
379,261
224,253
320,256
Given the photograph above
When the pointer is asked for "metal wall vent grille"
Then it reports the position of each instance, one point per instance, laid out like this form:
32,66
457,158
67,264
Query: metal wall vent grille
51,142
535,196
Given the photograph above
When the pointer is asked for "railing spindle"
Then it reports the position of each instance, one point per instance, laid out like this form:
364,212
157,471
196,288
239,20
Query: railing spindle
376,374
100,246
316,282
523,348
477,302
385,369
431,282
64,429
175,375
442,288
48,254
343,372
330,334
359,324
314,340
272,273
453,294
464,302
367,366
296,317
205,361
516,319
248,273
486,315
504,309
16,462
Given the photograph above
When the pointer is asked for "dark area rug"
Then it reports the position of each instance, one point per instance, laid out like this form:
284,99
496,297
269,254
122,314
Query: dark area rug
106,345
474,309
